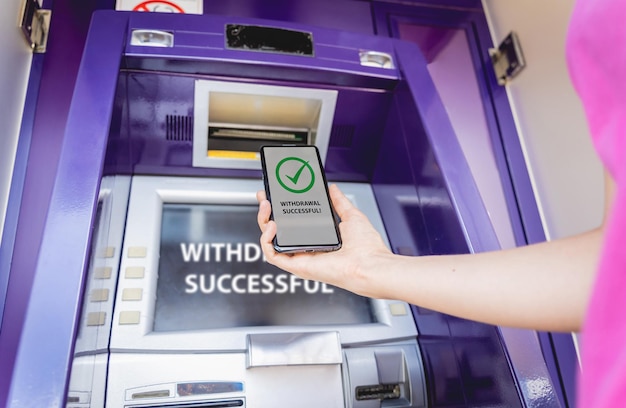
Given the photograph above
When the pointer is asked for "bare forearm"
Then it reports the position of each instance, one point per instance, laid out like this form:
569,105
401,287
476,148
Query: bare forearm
543,286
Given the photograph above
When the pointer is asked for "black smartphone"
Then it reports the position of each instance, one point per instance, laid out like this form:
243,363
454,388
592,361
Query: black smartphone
295,185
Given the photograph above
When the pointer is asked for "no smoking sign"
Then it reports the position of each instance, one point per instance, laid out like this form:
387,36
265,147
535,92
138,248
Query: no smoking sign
161,6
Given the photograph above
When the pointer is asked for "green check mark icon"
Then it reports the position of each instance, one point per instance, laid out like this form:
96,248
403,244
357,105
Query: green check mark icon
295,177
293,180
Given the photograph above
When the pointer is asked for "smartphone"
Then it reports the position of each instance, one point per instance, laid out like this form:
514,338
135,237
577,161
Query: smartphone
295,185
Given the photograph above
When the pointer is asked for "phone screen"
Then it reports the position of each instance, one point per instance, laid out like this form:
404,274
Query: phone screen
295,185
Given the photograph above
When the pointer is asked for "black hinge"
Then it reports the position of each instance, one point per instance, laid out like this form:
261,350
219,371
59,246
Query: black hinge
507,59
35,25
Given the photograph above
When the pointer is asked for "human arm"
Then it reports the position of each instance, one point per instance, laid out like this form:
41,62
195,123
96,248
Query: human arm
543,286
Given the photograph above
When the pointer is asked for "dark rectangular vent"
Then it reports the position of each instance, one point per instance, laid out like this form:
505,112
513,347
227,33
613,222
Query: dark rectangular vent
341,135
179,128
268,39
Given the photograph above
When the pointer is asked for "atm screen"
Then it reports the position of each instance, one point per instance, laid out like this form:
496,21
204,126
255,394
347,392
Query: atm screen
212,275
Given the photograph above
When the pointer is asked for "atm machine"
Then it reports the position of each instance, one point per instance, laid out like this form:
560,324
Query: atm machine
153,217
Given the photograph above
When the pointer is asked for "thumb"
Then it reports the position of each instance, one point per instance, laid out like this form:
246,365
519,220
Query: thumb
340,202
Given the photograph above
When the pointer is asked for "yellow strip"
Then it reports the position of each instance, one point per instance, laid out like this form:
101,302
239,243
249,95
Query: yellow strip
232,154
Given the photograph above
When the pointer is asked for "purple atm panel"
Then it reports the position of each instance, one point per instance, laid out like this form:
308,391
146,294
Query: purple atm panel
389,130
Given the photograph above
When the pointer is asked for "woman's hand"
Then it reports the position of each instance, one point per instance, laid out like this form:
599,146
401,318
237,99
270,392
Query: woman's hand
351,267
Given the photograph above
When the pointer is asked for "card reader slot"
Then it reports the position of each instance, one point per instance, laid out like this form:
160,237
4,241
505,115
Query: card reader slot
378,391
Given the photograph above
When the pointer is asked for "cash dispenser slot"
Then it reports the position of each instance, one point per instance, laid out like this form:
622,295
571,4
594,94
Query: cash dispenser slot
228,140
217,131
233,120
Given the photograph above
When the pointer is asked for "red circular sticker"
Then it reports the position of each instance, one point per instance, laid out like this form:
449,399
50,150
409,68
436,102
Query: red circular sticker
158,6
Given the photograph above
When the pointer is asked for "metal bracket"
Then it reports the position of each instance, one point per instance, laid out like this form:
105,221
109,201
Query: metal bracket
35,25
507,59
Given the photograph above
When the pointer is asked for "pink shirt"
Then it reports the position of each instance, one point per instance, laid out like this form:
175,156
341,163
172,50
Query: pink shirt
596,53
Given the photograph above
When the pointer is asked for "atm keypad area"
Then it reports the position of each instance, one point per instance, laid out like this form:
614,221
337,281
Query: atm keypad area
181,310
